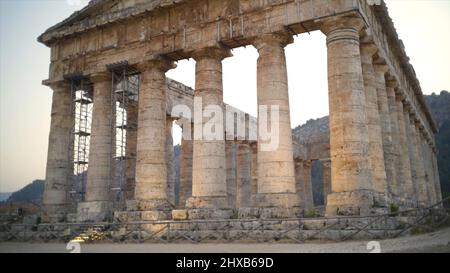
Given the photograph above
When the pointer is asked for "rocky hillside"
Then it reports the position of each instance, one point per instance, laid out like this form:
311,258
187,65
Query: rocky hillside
30,193
313,128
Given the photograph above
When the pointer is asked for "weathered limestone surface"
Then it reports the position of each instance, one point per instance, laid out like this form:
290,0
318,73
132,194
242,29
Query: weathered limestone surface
231,169
185,171
151,166
59,166
170,162
437,184
349,140
397,148
303,183
326,166
209,189
421,187
243,175
427,189
386,128
131,146
376,155
416,174
254,173
406,184
276,177
97,205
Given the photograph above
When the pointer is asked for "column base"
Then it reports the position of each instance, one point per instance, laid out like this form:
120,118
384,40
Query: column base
207,202
275,200
94,211
357,203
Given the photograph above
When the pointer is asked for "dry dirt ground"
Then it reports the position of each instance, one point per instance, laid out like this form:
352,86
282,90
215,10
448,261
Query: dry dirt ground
438,241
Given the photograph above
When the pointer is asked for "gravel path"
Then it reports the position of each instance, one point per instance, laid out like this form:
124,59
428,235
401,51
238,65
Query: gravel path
438,241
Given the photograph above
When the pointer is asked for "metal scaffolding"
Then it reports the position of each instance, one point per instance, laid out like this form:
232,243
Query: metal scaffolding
82,103
125,95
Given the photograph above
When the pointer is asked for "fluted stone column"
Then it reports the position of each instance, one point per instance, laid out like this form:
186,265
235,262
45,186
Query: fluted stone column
130,172
413,154
428,190
97,205
397,148
254,172
326,167
59,167
151,166
376,153
422,183
405,188
209,188
243,175
185,171
352,190
303,182
437,181
231,156
430,171
170,162
276,177
386,130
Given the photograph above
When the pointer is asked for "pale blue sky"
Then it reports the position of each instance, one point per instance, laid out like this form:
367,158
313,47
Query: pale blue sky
424,25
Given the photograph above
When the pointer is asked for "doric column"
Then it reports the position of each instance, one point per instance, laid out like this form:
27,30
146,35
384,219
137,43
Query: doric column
428,167
254,173
97,205
376,154
170,162
412,188
437,181
349,140
230,154
59,167
397,149
326,167
243,175
130,172
405,188
422,184
386,130
185,170
276,177
209,189
151,166
303,183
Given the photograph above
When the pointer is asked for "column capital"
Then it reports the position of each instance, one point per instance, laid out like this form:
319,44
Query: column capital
215,52
57,85
160,63
333,27
368,50
278,39
100,77
381,68
392,83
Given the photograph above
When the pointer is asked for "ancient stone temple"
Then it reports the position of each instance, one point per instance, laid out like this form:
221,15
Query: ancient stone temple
110,153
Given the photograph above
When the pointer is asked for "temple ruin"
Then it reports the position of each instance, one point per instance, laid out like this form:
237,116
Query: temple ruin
110,153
